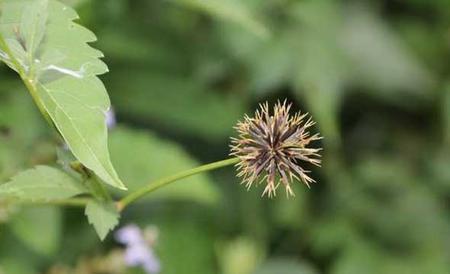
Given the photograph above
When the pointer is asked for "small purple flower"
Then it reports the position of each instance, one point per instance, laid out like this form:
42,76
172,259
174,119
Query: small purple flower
110,118
137,252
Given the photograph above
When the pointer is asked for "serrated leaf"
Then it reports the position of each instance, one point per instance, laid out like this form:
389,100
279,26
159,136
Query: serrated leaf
54,59
103,216
42,183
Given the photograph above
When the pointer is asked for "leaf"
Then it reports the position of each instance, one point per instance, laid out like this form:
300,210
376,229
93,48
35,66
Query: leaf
379,58
271,65
103,216
321,66
33,25
61,70
39,228
42,183
177,107
10,161
142,157
231,10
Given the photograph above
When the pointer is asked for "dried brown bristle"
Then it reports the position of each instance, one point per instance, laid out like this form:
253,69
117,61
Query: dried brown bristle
272,147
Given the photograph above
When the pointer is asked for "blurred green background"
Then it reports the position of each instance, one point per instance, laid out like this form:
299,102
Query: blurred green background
375,75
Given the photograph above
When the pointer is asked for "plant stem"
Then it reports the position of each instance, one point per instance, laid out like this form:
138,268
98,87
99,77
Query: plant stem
124,202
5,47
132,197
29,81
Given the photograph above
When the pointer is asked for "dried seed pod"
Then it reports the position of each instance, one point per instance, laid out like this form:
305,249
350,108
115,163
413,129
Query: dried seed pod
272,147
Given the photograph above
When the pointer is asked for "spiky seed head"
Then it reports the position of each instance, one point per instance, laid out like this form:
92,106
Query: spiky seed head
272,148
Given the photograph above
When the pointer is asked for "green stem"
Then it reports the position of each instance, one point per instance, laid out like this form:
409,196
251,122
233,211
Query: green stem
5,47
124,202
127,200
29,82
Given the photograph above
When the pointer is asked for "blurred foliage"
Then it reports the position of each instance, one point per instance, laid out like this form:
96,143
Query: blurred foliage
375,75
142,158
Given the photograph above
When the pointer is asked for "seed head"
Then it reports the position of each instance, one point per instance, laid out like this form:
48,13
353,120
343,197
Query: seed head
272,147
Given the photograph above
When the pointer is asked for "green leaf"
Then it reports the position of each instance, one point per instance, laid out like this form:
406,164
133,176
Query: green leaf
142,157
321,66
33,25
39,228
380,60
213,120
42,183
51,54
232,11
103,216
